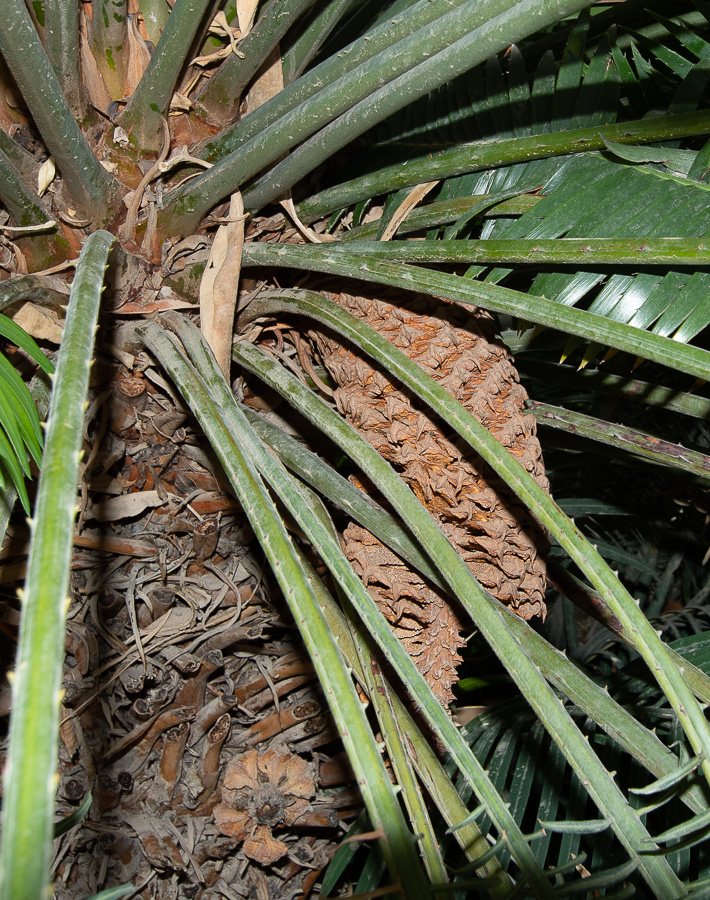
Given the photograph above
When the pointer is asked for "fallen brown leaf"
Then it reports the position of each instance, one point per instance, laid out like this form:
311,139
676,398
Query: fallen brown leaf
220,282
124,507
42,323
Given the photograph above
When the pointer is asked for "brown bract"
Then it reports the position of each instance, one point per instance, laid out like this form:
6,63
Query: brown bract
262,791
500,542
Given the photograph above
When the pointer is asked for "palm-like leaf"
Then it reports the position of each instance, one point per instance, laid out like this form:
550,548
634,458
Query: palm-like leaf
20,435
635,193
548,142
505,736
603,198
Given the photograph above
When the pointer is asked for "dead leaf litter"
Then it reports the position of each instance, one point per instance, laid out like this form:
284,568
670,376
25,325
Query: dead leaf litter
191,711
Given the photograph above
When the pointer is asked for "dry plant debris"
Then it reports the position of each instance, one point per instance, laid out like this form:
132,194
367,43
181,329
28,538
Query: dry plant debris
179,675
263,791
501,543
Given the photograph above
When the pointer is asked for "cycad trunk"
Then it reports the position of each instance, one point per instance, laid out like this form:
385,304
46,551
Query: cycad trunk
502,545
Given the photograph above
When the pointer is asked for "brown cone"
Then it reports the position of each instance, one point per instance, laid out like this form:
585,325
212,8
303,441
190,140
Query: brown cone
500,542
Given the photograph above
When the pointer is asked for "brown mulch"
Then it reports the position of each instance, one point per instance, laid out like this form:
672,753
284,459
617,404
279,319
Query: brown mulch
191,713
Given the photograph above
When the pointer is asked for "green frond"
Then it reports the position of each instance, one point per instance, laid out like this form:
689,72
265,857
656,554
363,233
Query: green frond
565,150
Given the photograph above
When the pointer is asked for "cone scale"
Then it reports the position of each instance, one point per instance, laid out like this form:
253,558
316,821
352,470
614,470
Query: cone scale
499,540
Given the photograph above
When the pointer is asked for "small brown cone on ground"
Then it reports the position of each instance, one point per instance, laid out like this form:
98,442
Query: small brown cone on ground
499,540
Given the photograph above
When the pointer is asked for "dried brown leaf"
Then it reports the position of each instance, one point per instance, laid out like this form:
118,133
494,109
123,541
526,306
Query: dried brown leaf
415,196
42,323
125,507
45,177
91,74
220,283
269,81
246,11
138,57
308,233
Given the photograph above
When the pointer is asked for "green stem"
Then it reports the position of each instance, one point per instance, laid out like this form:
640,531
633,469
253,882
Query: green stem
401,62
43,249
642,744
23,205
441,212
30,773
485,612
562,251
61,40
91,188
155,14
328,547
234,452
583,553
433,776
563,674
424,760
150,102
618,386
528,308
382,702
222,94
306,46
483,42
109,43
350,58
613,435
21,159
592,604
29,287
320,476
492,154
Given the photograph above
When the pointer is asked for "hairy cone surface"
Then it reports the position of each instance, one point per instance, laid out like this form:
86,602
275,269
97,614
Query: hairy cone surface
498,539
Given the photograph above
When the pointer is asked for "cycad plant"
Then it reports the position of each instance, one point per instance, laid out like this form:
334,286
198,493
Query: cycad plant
20,435
469,177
